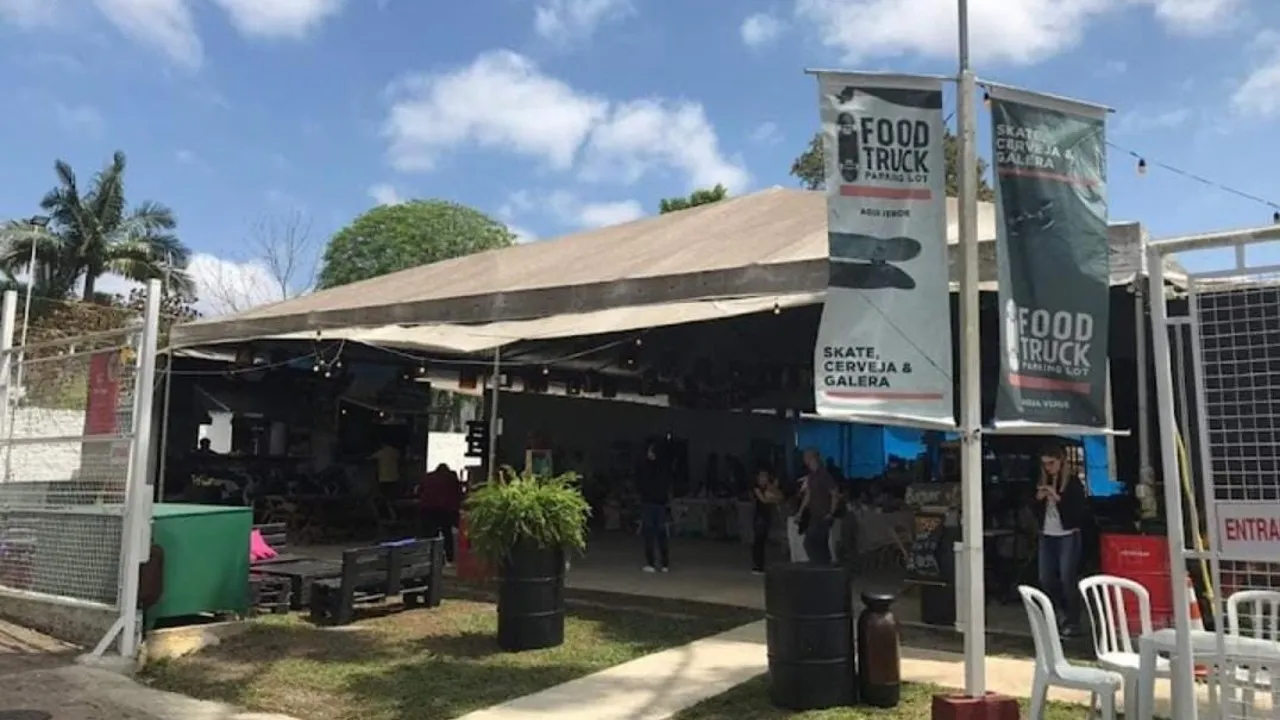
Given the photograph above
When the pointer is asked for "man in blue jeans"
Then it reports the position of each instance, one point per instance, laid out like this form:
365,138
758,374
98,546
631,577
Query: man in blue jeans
653,483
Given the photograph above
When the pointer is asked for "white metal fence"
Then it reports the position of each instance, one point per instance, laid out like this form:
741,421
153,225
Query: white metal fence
74,502
1218,385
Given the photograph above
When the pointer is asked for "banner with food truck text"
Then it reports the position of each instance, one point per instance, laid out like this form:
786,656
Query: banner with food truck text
883,352
1052,248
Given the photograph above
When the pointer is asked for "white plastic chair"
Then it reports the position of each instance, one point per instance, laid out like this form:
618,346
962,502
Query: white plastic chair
1261,609
1052,668
1114,643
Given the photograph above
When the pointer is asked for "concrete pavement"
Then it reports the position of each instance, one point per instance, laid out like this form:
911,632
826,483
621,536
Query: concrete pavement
657,686
41,680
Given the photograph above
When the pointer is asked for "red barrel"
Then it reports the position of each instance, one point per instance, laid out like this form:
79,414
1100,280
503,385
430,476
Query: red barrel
1145,560
470,566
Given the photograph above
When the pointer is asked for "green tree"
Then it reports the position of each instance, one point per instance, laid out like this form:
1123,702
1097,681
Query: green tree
810,169
389,238
93,233
704,196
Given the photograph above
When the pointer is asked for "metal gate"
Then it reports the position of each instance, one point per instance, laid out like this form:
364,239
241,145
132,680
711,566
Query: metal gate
76,388
1220,425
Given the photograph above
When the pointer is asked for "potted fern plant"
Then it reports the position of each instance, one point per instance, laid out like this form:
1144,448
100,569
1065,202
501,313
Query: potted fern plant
523,524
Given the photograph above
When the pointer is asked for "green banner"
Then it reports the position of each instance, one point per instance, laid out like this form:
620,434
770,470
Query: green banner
1051,197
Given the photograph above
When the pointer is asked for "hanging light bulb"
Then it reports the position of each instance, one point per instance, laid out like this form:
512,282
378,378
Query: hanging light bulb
1142,166
986,99
1275,217
546,370
315,368
639,342
337,364
777,309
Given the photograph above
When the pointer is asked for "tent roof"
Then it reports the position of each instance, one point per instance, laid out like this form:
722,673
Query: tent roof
772,242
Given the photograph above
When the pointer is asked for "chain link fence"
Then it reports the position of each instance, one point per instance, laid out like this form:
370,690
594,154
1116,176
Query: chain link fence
69,395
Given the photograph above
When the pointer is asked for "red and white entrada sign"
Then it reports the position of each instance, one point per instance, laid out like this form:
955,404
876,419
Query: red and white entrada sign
1249,530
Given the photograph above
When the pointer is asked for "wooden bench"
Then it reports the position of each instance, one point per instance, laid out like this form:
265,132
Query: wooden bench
410,569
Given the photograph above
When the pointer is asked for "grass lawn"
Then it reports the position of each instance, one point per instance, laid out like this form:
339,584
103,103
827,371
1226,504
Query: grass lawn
423,664
750,701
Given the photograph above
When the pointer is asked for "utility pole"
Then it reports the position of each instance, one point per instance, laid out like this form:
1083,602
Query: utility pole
971,567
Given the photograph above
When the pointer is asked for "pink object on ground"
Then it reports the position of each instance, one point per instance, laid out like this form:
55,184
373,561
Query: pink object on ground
259,550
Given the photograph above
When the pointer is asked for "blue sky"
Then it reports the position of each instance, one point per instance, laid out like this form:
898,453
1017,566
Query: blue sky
556,115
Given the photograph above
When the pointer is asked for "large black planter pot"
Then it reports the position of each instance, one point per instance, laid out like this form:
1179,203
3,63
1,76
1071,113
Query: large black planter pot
531,599
809,625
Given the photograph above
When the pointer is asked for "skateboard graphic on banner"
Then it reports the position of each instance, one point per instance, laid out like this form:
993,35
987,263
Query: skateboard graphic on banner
863,262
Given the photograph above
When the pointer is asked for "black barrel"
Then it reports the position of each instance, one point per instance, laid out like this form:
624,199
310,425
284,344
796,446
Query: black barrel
809,622
531,599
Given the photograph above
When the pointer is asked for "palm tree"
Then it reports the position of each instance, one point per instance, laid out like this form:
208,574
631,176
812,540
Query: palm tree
92,234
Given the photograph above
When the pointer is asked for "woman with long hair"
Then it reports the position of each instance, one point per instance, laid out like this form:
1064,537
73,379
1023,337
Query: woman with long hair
1061,506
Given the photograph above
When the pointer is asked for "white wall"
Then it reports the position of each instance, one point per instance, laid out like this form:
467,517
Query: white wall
592,426
450,449
45,461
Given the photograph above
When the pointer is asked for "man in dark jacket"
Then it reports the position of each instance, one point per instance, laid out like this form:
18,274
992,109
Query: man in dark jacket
653,483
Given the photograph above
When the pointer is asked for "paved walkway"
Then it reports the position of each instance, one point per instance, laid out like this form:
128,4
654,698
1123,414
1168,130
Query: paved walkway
657,686
40,677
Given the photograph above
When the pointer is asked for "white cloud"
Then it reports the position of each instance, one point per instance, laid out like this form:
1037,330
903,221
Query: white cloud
568,209
169,26
566,20
1021,32
523,234
1195,17
165,25
1258,95
82,121
292,19
385,194
760,29
644,135
29,14
222,286
766,133
502,101
226,286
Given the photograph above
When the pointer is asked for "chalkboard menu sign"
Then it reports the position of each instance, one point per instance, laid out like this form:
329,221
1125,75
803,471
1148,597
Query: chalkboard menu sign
923,560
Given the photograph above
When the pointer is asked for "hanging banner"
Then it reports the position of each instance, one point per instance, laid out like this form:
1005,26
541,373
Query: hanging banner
884,345
1051,201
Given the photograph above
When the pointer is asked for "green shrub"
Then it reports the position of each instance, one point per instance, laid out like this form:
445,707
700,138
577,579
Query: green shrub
547,511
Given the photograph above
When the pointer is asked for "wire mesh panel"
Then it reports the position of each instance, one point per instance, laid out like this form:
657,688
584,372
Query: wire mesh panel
65,443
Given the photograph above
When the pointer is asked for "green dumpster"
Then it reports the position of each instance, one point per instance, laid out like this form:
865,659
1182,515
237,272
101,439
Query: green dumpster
206,559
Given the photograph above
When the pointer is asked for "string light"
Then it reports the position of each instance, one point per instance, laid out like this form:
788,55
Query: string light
986,99
1144,164
639,342
777,309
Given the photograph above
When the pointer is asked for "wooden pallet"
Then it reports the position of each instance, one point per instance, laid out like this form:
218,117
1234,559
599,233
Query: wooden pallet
269,595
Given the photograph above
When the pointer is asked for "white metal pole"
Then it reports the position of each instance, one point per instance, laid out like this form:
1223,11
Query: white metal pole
8,319
136,532
26,311
162,461
1184,691
493,413
975,638
1144,410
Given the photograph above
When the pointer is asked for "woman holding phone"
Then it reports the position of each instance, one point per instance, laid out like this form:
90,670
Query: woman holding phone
1060,505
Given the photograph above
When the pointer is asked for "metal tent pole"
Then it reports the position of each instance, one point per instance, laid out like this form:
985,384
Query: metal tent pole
1144,408
975,651
493,413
